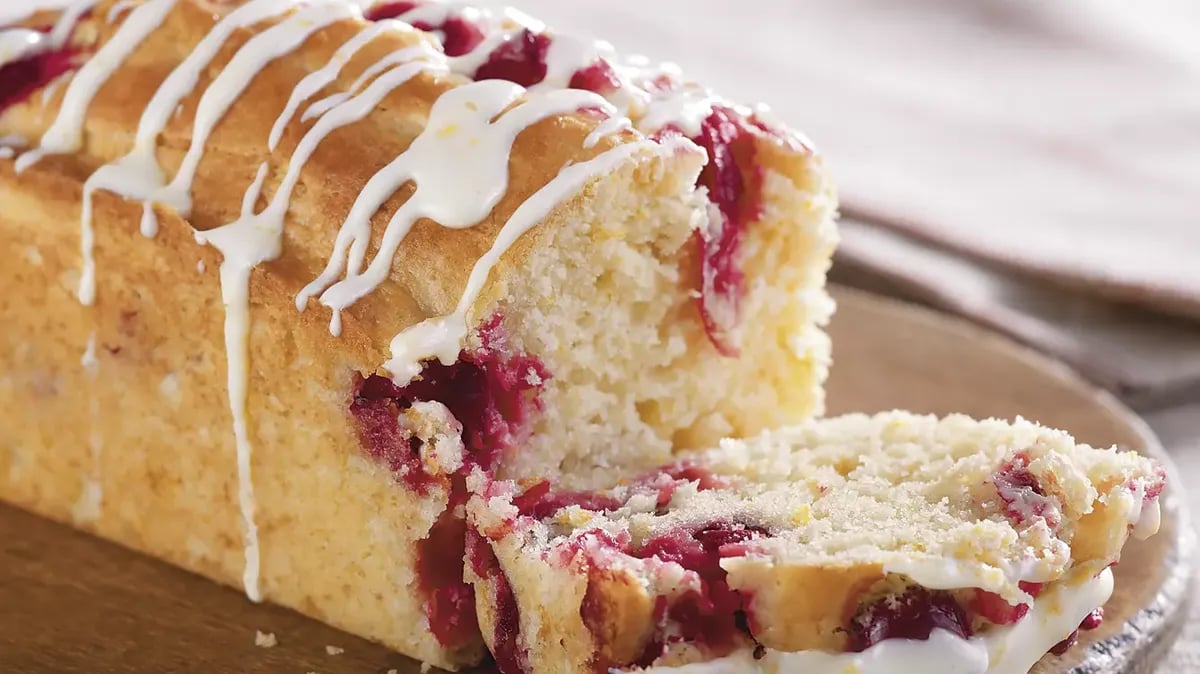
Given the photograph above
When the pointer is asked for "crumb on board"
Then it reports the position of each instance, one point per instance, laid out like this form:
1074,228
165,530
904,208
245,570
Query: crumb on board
334,650
264,639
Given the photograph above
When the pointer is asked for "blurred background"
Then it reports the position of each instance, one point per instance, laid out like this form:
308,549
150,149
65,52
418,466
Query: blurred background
1033,166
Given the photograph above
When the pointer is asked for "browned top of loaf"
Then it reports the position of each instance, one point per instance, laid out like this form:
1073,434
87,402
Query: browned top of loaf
430,268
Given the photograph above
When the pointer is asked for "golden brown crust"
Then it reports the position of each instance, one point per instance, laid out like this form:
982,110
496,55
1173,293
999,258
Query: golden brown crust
337,532
331,179
799,605
619,614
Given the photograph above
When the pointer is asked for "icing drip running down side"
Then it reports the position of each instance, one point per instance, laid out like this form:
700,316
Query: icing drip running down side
462,150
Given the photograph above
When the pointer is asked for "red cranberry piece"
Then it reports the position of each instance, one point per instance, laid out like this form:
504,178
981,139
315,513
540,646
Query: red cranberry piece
716,615
493,396
1022,494
1066,644
1031,589
670,478
912,615
459,35
598,77
390,10
449,600
996,609
691,471
1093,620
540,502
1154,486
19,79
733,179
521,60
375,406
506,649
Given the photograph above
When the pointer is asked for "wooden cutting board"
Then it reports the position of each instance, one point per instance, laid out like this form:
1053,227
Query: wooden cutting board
72,603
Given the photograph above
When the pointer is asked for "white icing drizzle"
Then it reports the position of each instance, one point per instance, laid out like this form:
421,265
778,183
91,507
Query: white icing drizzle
249,241
235,293
453,193
66,133
683,106
118,8
53,87
1148,521
66,22
1145,515
259,51
442,337
685,109
612,125
20,43
567,55
468,63
950,573
244,243
404,55
1009,649
6,152
319,79
137,175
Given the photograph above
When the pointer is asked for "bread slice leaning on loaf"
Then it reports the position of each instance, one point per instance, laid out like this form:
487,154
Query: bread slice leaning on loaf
281,276
867,544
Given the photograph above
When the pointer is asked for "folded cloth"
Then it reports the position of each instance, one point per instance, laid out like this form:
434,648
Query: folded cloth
1061,138
1147,358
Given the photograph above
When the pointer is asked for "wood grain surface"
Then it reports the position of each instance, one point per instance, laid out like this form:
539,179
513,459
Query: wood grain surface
71,603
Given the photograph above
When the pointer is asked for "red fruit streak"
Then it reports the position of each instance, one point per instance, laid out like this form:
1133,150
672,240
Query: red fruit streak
449,601
20,79
493,395
506,632
460,35
716,615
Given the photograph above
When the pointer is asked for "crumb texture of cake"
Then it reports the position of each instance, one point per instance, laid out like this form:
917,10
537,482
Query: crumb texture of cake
299,272
846,542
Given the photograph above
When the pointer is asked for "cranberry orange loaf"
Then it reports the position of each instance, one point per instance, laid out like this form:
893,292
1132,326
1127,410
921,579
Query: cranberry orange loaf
281,274
895,543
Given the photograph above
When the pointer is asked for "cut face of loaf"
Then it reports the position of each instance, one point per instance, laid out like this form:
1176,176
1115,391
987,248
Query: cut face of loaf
840,544
288,275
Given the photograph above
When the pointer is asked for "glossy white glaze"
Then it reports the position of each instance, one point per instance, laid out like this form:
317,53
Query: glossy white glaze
1011,649
66,133
451,192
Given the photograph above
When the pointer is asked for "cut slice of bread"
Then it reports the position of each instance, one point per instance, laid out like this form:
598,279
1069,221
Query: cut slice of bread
831,538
